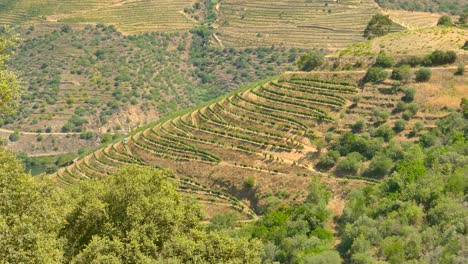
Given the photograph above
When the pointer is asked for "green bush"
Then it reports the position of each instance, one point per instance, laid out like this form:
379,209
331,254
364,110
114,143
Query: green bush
402,73
249,182
350,165
384,61
375,75
310,61
423,74
410,93
328,160
445,21
400,125
460,70
384,131
359,126
14,136
439,57
379,166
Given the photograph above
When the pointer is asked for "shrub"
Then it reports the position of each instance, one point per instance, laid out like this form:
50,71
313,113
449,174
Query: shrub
384,131
413,108
445,21
380,116
249,182
86,135
417,128
375,75
384,61
379,166
402,73
410,93
412,61
407,115
400,107
39,138
439,57
350,165
310,61
328,160
464,107
106,138
399,126
14,136
359,126
460,70
423,75
356,99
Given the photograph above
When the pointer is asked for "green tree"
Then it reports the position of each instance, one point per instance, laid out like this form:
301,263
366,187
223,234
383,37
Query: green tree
310,61
384,61
379,25
375,75
31,214
445,21
9,83
350,165
423,74
402,73
380,166
138,216
14,136
464,107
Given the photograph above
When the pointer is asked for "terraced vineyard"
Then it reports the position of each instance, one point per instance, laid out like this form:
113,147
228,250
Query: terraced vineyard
412,42
413,20
129,16
262,133
319,24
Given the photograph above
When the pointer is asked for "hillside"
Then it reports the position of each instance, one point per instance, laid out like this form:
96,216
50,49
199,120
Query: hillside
262,140
412,42
128,16
312,24
448,6
97,80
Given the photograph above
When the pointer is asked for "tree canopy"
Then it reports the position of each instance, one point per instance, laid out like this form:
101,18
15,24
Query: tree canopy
9,83
379,25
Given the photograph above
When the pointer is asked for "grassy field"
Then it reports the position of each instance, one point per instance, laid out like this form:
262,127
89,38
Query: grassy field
311,24
129,16
412,42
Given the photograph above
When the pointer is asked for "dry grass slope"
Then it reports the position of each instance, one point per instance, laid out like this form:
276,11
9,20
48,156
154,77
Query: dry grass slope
412,42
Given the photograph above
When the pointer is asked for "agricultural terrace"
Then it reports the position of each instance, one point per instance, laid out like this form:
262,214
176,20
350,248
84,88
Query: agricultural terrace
413,20
99,81
412,42
129,16
251,139
310,24
268,138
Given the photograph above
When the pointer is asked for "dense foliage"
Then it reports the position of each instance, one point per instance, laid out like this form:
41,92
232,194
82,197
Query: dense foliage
297,233
416,215
9,84
103,73
135,216
379,25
